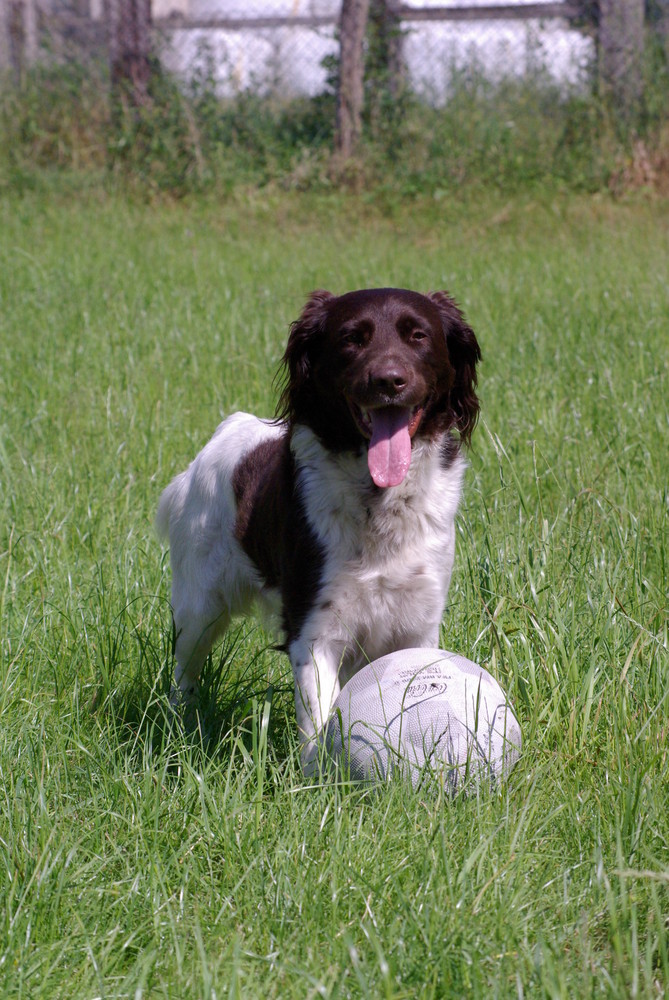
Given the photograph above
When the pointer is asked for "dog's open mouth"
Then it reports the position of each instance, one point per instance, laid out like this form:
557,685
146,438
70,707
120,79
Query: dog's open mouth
389,430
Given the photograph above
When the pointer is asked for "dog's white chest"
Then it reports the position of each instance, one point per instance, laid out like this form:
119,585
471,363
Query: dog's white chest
388,555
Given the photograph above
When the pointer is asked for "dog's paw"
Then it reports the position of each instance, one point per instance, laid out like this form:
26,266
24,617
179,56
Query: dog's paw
180,697
185,706
310,757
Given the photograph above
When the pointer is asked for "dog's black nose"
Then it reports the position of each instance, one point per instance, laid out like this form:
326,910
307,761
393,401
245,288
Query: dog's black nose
391,381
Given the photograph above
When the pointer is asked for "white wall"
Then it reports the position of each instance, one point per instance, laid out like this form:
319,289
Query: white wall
288,60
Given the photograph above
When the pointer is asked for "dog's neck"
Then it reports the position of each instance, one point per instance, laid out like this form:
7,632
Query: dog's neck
340,496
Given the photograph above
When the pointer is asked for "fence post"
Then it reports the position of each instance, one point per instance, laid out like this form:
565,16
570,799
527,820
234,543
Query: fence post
19,43
386,25
663,26
30,31
5,44
350,94
621,43
129,26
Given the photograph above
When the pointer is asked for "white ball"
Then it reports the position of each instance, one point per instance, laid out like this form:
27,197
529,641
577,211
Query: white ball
425,714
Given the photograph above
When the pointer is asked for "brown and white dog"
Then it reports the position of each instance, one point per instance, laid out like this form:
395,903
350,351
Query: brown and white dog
340,513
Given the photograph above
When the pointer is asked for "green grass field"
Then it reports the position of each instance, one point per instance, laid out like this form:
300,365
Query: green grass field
137,861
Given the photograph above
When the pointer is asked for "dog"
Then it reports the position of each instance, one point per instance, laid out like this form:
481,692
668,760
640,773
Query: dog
340,512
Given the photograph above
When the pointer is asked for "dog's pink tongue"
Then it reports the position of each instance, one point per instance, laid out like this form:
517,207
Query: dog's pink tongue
389,452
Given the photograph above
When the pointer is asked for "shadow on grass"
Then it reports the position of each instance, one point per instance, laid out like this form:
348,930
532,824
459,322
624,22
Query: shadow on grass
136,676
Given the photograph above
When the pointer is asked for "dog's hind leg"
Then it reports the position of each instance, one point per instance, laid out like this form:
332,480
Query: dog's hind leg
195,635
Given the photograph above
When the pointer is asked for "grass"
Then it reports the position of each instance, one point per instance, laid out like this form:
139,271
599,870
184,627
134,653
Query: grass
138,861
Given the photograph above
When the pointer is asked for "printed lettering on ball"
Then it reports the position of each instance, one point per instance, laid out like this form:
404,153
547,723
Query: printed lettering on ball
426,715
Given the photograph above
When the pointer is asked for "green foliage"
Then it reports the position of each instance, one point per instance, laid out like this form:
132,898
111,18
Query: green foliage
56,120
139,859
508,132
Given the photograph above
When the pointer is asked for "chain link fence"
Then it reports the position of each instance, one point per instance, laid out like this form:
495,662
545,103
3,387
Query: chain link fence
269,47
287,48
288,59
506,87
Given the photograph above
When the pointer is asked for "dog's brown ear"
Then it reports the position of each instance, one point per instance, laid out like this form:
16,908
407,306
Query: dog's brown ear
294,376
465,353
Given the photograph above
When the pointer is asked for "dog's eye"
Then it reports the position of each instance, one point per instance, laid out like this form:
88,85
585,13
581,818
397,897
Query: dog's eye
355,337
417,335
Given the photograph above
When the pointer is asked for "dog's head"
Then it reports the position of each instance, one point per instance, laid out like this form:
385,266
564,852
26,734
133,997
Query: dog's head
381,367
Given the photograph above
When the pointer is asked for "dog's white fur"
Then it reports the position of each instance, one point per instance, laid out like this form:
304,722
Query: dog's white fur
388,557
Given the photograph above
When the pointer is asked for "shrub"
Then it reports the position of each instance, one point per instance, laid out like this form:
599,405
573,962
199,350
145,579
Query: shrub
508,132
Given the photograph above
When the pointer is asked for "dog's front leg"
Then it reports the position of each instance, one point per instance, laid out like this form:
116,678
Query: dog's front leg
316,675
